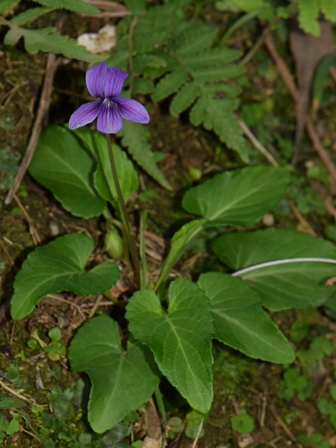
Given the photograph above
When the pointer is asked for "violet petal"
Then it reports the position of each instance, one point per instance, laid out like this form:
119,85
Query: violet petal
109,119
84,114
115,79
95,80
132,110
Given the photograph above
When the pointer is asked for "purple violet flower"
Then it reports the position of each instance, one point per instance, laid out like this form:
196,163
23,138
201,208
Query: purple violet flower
106,83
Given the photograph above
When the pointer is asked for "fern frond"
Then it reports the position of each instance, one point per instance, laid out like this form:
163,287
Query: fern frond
143,86
308,16
119,58
29,15
190,41
170,84
43,40
144,60
212,56
71,5
209,74
6,5
184,98
135,6
13,35
230,90
328,8
217,115
154,27
135,138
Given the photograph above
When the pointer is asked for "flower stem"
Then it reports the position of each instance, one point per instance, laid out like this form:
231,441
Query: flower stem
129,235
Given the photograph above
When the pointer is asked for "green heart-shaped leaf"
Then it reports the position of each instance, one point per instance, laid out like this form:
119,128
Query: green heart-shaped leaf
62,164
240,320
121,381
239,197
281,285
59,266
180,338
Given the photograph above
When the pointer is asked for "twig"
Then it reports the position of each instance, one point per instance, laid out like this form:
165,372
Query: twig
130,50
197,434
43,107
287,77
282,424
72,304
95,306
17,394
246,130
34,234
31,434
305,224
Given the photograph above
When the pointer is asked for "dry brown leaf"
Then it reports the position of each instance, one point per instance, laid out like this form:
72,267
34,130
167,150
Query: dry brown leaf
307,52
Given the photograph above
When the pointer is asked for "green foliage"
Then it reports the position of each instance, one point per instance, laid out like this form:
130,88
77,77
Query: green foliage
103,180
308,11
315,440
294,382
59,266
182,56
319,348
201,77
298,330
71,5
328,7
193,421
62,164
29,15
43,39
308,16
7,4
240,320
320,78
280,285
135,6
180,338
239,197
135,138
242,423
180,242
121,381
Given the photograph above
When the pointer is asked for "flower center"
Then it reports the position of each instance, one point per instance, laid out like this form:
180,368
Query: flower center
107,102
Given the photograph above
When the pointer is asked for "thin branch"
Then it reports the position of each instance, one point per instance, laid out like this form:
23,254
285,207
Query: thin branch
287,77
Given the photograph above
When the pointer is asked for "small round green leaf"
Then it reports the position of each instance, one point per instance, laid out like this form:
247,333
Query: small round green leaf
242,423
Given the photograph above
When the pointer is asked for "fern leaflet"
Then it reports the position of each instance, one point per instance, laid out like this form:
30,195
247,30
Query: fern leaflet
29,15
328,8
215,115
170,83
308,16
135,138
184,98
43,40
71,5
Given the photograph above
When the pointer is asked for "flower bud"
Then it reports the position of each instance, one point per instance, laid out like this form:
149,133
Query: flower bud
114,245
